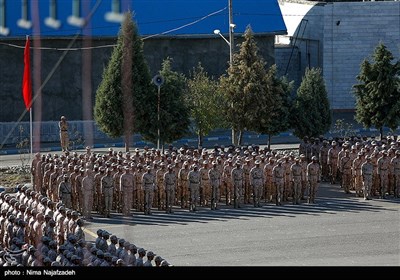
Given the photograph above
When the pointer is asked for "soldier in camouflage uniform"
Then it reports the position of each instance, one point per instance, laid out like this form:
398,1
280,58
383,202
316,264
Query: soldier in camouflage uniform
139,188
356,170
107,186
127,182
269,190
296,176
314,177
64,192
247,187
278,173
237,176
148,182
227,181
63,126
323,159
383,172
345,170
170,187
194,180
395,163
367,170
333,161
183,186
215,179
88,190
161,187
205,187
257,182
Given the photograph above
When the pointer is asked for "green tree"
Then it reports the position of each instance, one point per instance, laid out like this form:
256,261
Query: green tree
174,114
311,112
204,103
121,96
243,85
378,93
274,106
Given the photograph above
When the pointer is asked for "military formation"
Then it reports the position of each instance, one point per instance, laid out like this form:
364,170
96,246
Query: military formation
189,178
369,167
36,231
43,225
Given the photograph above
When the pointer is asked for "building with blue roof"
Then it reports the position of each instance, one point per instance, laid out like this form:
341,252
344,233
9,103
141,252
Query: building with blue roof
57,18
180,29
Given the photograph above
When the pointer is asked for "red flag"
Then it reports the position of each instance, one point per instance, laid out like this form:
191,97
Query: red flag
26,82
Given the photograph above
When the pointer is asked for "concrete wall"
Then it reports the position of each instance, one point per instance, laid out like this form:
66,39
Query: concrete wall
338,36
302,46
71,89
351,33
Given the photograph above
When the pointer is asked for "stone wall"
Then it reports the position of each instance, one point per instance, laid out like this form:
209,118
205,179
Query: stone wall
351,33
338,36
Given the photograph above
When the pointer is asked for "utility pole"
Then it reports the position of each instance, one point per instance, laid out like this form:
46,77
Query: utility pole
231,50
158,80
231,39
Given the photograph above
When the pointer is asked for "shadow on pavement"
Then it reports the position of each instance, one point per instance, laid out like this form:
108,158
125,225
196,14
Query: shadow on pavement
330,200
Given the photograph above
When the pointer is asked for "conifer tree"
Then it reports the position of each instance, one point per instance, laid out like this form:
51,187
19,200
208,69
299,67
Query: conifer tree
174,114
243,85
311,113
121,96
378,93
274,106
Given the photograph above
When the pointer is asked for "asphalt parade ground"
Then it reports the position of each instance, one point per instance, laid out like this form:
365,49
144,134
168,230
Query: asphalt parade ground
339,230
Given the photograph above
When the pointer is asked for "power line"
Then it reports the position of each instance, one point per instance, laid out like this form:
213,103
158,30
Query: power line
113,45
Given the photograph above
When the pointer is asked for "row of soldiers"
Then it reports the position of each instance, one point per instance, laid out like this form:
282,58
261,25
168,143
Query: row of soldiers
354,163
35,231
186,178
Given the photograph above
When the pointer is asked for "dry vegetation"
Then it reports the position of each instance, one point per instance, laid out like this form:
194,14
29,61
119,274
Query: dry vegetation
12,176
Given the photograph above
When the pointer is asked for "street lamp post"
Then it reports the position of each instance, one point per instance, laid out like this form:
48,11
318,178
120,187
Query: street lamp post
158,80
231,45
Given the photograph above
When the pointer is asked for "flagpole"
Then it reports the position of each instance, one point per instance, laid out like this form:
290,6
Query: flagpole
30,131
30,119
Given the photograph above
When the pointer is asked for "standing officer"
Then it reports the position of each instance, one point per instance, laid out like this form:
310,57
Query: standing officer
64,192
268,186
170,186
215,179
356,169
98,205
183,184
148,182
194,179
88,190
323,159
395,163
345,169
161,187
257,181
333,161
63,126
314,177
296,174
383,172
278,173
205,184
237,176
107,190
367,169
127,183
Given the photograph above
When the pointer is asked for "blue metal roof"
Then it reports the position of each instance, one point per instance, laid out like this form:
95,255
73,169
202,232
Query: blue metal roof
170,17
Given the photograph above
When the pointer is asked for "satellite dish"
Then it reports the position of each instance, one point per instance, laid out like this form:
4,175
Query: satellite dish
158,80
